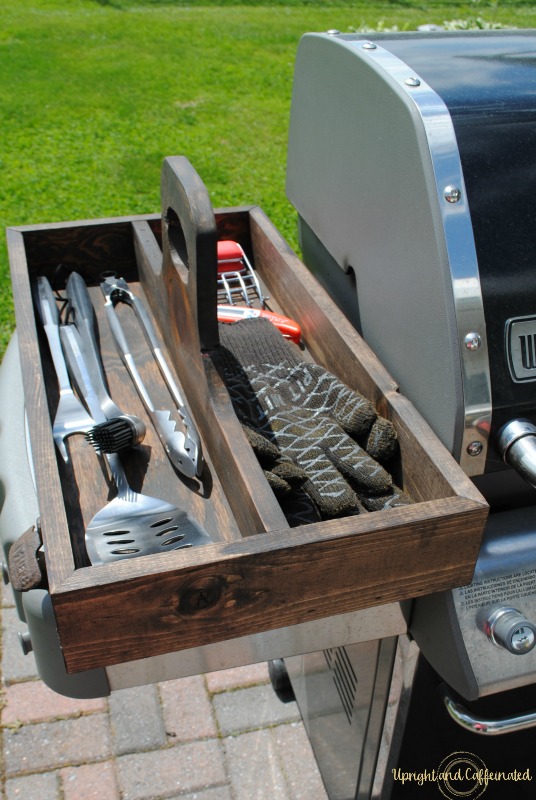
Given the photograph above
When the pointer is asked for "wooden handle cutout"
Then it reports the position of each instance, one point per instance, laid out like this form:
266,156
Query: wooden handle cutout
189,244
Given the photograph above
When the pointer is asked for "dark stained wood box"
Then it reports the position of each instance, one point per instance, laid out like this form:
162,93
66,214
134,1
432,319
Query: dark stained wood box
258,574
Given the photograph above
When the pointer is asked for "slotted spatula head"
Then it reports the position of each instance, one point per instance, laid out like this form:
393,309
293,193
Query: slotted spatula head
138,526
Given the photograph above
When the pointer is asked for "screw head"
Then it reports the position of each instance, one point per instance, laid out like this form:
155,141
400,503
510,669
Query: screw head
412,82
369,46
472,341
452,194
333,32
475,448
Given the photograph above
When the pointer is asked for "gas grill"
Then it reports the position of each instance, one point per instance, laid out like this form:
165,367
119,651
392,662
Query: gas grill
411,166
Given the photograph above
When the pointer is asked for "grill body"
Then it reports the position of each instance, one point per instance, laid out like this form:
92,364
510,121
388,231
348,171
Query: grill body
412,166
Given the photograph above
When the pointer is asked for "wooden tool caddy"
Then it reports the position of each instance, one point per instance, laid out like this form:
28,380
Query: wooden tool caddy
258,574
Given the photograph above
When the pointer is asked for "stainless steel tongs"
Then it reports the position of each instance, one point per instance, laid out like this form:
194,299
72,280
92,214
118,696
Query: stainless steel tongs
183,449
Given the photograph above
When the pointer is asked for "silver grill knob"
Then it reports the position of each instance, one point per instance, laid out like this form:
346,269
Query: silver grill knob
509,628
517,445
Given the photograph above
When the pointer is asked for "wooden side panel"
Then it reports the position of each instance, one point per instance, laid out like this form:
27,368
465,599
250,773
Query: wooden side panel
54,524
88,246
270,581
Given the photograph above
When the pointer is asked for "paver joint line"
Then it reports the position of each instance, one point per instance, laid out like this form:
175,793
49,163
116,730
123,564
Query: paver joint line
183,739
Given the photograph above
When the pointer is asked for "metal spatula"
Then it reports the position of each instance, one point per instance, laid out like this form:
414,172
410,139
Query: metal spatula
132,524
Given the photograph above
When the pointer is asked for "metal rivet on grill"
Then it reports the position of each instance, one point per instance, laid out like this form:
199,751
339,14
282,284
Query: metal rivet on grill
369,46
333,32
475,448
472,341
452,194
412,82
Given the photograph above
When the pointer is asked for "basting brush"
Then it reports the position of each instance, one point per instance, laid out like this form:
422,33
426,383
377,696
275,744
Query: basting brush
116,434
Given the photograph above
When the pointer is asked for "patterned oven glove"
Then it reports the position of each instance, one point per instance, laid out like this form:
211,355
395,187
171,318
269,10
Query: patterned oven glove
317,440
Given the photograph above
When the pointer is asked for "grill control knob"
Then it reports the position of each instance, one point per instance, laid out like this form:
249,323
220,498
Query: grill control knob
507,627
517,445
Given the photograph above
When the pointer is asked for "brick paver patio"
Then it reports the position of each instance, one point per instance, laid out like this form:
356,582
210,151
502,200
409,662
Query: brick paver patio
220,736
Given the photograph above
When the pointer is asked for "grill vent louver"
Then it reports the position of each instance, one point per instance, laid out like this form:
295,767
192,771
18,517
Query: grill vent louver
344,678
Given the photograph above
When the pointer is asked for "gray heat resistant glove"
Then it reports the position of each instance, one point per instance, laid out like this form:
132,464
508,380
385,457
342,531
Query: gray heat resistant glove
285,478
322,438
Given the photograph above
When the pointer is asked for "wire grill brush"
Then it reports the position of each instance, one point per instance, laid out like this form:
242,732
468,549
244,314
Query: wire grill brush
116,434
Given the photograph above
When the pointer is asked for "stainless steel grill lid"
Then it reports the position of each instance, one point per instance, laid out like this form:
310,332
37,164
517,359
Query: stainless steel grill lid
412,165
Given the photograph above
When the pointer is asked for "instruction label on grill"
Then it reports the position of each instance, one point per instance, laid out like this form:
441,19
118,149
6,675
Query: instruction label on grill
503,589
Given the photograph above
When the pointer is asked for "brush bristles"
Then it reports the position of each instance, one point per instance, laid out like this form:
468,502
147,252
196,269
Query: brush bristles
116,434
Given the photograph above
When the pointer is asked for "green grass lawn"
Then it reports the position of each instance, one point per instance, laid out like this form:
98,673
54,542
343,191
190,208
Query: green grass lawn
95,94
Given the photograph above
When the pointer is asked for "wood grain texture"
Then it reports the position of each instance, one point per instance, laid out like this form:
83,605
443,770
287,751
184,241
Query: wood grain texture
54,523
87,246
189,238
271,581
238,471
257,574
